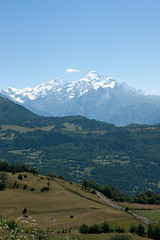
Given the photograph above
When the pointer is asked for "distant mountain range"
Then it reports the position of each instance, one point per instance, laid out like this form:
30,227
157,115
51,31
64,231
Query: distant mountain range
94,96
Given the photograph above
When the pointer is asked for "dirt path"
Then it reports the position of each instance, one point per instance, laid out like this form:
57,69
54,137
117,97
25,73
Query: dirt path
108,201
115,205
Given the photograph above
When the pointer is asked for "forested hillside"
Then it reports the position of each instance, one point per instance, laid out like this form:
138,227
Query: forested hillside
78,148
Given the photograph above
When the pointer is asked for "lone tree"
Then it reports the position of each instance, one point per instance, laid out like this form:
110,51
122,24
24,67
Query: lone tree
24,211
3,178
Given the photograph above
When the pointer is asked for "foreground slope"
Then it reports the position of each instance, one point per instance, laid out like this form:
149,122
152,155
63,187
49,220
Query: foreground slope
66,204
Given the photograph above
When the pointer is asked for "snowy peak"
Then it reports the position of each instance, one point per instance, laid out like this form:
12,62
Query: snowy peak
93,80
22,95
97,80
63,91
93,75
94,96
56,82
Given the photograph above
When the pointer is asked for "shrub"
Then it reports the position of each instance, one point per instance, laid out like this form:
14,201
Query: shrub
94,229
20,176
34,171
119,229
133,229
121,237
84,229
139,230
51,175
154,231
93,191
12,224
24,187
60,177
3,178
32,189
24,211
105,227
44,189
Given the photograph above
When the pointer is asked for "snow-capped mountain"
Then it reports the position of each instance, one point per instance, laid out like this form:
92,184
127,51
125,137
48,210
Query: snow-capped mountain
94,96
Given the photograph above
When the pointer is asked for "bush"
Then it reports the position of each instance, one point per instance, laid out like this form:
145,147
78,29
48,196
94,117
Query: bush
93,191
44,189
51,175
60,177
12,224
24,211
2,186
121,237
20,176
3,178
105,227
34,171
94,229
84,229
139,230
119,229
24,187
154,231
133,229
32,189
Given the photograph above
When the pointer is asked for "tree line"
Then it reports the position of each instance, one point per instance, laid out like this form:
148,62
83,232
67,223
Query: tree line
147,197
16,168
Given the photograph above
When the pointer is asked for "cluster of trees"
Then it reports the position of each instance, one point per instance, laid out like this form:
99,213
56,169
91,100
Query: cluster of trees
139,230
153,231
100,228
16,168
108,190
148,197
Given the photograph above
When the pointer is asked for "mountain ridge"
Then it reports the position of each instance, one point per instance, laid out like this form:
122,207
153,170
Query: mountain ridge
94,96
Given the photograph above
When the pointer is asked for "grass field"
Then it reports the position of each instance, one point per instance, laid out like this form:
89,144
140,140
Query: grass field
137,206
24,129
151,214
53,209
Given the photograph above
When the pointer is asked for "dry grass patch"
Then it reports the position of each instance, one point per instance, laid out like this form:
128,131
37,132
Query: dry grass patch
140,206
63,200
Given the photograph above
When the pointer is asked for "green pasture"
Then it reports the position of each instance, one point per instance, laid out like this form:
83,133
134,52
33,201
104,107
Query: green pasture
153,214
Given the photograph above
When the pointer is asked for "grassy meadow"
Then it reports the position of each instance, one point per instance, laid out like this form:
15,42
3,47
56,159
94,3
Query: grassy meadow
65,205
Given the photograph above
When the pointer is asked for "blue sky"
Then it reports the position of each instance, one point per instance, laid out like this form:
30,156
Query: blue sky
40,39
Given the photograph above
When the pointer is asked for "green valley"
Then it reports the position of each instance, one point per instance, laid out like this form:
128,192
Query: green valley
78,148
